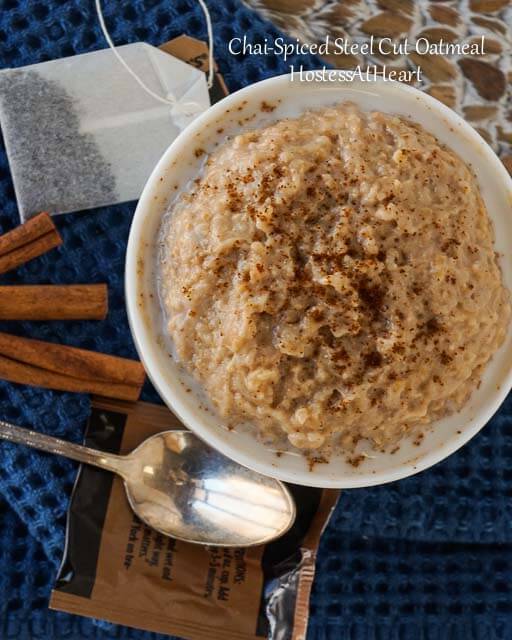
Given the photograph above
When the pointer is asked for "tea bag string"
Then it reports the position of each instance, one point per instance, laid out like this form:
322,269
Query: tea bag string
186,108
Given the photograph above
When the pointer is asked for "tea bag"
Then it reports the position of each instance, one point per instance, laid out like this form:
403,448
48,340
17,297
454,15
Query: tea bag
81,133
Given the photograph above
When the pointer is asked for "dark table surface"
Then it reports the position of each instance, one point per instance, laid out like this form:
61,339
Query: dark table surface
426,557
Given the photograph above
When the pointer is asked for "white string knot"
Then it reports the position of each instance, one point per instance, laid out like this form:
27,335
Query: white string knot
179,108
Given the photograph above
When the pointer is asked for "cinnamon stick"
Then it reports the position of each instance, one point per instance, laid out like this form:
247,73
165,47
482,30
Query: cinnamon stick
26,374
28,241
55,366
54,302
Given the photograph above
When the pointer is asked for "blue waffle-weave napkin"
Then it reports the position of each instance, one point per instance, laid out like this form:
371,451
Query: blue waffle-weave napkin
427,557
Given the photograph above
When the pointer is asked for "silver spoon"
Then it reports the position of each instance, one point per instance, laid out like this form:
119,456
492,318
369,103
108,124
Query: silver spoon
182,488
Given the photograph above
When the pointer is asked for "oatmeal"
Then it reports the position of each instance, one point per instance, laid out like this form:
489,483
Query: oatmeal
332,278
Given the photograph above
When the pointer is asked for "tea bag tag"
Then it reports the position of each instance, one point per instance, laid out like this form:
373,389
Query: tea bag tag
88,135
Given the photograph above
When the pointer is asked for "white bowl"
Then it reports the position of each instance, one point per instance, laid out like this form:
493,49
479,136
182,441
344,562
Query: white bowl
179,164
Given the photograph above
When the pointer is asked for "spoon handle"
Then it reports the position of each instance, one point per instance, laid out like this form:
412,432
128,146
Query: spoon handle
108,461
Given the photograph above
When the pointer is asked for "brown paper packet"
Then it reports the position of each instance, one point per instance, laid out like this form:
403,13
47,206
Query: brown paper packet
117,569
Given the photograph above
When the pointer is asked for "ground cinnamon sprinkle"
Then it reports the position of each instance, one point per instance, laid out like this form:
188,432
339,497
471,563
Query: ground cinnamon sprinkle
314,460
356,460
266,107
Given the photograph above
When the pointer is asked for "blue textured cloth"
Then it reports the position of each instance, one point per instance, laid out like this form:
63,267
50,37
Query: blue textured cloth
427,557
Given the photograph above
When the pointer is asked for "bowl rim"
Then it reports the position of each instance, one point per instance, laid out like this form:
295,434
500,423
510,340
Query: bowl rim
170,394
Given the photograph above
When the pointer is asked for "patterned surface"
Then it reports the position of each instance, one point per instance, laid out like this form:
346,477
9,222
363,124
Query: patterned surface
428,557
478,88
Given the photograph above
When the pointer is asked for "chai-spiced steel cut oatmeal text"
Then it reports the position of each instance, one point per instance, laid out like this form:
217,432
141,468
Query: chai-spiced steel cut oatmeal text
332,278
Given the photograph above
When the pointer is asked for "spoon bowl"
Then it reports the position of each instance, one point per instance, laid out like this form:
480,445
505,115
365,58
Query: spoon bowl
181,487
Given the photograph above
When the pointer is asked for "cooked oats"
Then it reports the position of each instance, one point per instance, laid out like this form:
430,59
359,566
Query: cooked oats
333,278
